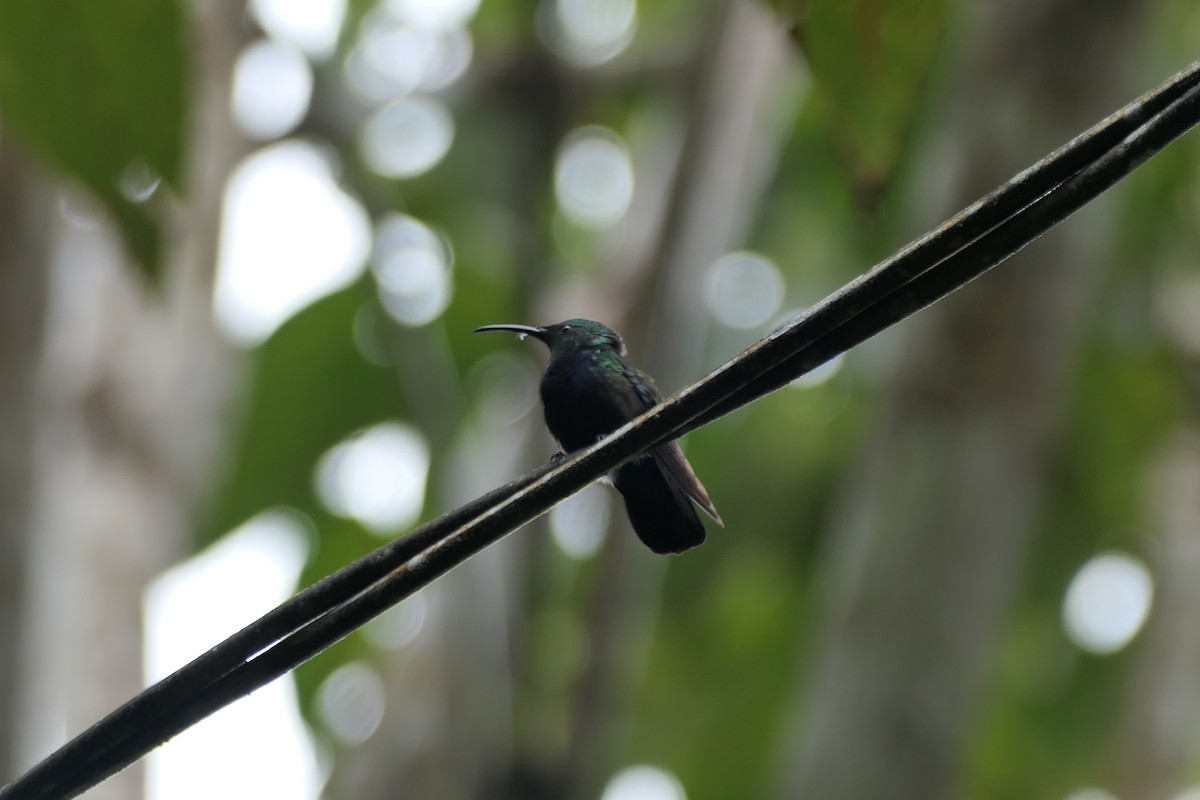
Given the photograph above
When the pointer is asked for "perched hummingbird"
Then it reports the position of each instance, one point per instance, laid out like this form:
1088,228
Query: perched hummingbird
588,391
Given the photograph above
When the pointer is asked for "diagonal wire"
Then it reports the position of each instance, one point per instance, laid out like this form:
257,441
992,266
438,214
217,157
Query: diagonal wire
978,238
1024,206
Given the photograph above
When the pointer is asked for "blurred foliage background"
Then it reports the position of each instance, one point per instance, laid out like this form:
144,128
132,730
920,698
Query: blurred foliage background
241,253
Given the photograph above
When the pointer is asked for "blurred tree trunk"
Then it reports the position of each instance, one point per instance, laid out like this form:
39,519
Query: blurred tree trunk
928,549
736,122
1156,737
133,390
458,741
25,206
474,657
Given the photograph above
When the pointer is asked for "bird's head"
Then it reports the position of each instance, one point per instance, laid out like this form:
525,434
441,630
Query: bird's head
568,337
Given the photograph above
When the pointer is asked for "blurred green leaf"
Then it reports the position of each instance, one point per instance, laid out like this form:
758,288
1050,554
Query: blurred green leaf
98,88
870,61
312,388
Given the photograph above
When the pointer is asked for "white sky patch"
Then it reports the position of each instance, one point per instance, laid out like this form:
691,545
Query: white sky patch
311,25
289,236
260,742
1107,602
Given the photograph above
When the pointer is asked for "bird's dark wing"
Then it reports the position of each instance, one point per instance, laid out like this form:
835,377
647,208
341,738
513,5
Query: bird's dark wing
669,457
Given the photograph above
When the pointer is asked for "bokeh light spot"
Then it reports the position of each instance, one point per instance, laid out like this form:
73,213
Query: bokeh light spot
506,385
1107,602
1090,793
587,32
272,87
137,182
413,269
593,178
580,522
820,374
744,289
406,138
351,702
399,625
434,13
311,25
1177,303
644,782
391,58
80,209
376,477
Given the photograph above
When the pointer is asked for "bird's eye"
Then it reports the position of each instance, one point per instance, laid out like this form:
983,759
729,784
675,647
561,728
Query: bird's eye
566,328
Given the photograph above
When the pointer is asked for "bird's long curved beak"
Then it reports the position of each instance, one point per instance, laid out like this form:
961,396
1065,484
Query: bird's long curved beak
525,330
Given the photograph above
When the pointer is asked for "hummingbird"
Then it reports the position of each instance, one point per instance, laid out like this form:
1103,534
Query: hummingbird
588,391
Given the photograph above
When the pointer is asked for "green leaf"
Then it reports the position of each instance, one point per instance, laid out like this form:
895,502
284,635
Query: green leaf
311,389
870,60
96,88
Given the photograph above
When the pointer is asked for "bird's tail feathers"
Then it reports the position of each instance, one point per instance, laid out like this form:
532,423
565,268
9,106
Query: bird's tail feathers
660,507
